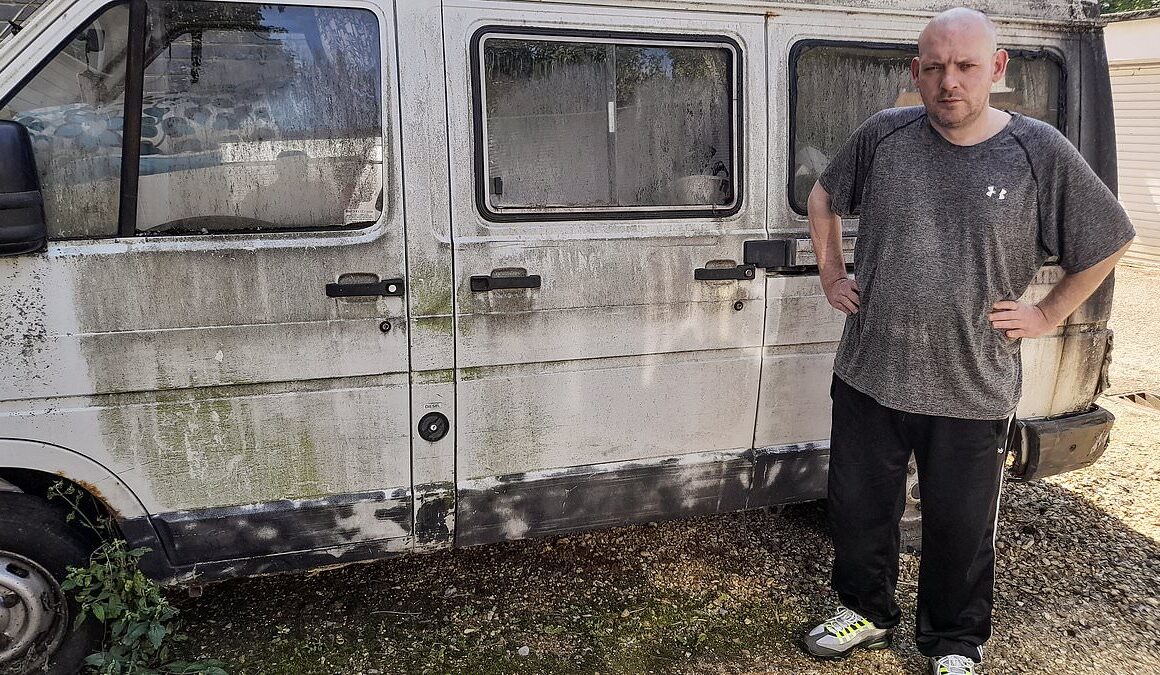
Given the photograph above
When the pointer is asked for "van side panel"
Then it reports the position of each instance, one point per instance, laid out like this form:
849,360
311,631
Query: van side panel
215,375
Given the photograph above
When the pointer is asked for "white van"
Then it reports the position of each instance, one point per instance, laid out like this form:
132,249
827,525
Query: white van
299,284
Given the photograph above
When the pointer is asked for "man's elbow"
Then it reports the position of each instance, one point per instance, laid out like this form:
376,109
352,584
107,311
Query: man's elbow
819,200
1106,265
1115,257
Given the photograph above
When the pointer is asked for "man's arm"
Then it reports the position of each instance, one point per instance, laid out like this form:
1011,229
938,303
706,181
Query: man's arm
826,233
1022,320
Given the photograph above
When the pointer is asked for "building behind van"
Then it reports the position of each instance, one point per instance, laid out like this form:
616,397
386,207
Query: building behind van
295,285
1133,40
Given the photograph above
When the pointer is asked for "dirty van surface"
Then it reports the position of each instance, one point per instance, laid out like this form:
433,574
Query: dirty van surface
292,287
1077,586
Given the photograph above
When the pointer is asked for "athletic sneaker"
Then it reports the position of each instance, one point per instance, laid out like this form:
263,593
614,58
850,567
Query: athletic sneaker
952,665
839,635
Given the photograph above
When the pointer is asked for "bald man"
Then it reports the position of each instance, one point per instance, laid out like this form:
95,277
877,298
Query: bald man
959,205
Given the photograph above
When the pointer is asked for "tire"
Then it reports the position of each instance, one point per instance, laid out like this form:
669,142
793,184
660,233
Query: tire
37,541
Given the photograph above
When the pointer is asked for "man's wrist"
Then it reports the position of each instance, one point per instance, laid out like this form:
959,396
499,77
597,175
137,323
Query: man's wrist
832,272
1048,315
829,281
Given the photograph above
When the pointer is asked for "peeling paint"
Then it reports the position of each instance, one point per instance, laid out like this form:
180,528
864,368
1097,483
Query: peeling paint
95,493
435,516
556,501
255,530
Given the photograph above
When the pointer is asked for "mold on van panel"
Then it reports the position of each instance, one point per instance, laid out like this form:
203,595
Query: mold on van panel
237,447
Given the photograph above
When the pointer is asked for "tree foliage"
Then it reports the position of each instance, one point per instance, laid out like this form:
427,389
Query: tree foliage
1110,6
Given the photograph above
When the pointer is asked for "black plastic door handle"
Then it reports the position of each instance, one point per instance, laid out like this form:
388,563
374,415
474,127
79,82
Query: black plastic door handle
386,287
482,283
739,273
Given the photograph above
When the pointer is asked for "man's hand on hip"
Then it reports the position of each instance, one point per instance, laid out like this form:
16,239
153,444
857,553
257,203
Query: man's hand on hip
843,294
1019,319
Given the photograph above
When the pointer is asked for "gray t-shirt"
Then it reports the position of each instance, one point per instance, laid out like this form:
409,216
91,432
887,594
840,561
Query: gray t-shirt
946,231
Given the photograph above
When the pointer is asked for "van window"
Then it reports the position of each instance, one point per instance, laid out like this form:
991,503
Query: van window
259,117
253,117
596,126
835,87
74,108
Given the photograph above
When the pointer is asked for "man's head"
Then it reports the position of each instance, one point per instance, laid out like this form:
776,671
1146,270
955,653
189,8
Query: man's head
956,65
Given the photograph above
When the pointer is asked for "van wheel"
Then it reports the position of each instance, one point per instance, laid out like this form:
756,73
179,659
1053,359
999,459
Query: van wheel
37,545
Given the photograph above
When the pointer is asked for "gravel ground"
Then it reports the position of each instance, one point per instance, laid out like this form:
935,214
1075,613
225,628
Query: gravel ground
1078,587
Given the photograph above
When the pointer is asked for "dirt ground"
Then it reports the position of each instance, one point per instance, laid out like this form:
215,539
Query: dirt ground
1078,587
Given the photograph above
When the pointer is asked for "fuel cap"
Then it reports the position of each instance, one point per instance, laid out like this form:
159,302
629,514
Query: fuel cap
433,426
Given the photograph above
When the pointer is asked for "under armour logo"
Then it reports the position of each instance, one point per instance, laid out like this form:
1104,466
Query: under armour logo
991,192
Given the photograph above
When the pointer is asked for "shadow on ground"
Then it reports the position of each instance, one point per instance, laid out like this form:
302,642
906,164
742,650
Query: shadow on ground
1077,592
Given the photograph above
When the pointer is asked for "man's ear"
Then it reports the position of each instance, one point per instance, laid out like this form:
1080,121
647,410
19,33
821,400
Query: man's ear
914,70
999,64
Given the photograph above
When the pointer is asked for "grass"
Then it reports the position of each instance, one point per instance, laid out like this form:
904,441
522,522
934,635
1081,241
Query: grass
621,601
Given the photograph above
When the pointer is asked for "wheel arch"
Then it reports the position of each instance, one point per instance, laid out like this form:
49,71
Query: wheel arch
33,466
26,464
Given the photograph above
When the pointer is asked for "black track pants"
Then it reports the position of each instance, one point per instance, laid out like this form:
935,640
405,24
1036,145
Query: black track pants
960,465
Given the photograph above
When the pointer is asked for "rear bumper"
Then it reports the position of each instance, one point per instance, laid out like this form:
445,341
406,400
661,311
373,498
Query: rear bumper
1045,447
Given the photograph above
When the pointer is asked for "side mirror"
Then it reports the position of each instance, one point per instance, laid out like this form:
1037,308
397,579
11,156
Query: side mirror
22,224
93,39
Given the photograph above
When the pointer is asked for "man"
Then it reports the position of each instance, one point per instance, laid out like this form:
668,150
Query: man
960,204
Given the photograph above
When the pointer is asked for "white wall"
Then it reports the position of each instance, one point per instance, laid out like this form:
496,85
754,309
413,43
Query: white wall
1133,40
1134,60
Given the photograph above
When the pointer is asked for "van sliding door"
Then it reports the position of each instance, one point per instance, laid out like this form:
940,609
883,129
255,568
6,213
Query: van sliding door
608,332
824,82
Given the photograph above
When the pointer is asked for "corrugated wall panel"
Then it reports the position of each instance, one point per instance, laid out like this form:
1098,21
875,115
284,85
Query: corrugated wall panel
1136,97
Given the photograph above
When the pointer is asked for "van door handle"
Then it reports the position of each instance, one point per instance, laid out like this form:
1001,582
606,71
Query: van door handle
482,283
386,287
739,273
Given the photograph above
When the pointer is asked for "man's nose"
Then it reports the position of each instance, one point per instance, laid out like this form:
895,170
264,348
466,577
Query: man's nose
950,81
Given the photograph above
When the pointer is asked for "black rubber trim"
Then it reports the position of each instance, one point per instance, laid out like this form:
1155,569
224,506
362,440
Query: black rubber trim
736,127
1095,134
801,45
283,526
131,132
610,495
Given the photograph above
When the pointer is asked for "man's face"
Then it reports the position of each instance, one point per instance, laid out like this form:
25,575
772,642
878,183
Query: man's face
954,71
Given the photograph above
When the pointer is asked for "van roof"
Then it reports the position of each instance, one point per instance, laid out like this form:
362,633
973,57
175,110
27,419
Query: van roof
1046,10
1042,10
